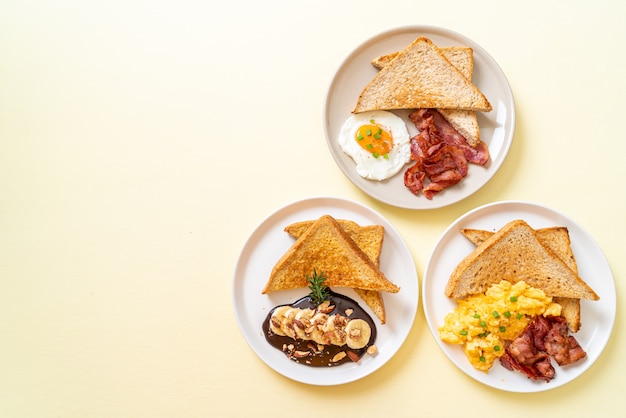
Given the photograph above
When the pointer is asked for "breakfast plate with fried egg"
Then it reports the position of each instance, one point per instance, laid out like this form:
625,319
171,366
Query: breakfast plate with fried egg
380,171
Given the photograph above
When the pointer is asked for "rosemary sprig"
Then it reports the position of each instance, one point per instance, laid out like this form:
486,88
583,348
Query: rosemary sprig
319,292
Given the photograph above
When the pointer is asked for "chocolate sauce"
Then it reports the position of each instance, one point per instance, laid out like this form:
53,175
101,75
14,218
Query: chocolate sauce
324,357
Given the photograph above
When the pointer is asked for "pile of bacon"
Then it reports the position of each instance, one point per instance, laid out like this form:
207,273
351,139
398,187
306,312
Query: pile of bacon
543,337
440,153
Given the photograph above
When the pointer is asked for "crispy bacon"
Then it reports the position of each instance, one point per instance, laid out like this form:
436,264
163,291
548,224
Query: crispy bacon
544,337
440,153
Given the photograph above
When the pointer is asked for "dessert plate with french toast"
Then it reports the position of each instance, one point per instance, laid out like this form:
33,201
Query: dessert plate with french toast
255,295
488,238
355,87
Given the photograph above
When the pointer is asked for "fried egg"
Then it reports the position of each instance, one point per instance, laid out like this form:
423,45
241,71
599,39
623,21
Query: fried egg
378,142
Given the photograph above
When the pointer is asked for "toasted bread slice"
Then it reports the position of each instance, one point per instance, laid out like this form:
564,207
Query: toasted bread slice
420,76
514,253
326,247
464,121
370,239
558,240
380,61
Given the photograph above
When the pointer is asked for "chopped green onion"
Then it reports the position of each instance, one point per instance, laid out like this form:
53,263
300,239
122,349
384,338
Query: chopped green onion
476,316
372,121
483,359
507,314
368,132
377,136
496,348
386,156
502,329
519,316
513,299
375,155
463,332
370,146
483,324
495,314
360,137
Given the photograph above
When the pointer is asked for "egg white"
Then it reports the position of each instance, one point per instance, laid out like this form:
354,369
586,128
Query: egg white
367,166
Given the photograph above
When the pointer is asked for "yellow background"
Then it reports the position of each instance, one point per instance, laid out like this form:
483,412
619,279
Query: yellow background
142,142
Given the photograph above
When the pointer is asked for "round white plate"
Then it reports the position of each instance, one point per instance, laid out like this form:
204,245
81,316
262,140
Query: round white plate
269,242
597,317
496,127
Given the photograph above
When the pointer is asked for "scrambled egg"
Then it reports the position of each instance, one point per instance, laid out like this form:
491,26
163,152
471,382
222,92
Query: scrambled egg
483,323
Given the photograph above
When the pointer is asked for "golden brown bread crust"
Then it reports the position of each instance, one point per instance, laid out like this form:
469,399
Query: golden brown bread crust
370,239
326,247
434,83
556,238
464,121
514,253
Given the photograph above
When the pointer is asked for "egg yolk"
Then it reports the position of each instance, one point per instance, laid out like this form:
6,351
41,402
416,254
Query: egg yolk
374,139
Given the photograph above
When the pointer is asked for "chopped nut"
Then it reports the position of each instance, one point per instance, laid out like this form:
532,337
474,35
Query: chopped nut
349,311
355,333
353,356
301,354
371,350
325,307
276,322
340,355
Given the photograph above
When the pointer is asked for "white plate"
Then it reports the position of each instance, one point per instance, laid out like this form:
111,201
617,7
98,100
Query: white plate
597,317
496,127
269,242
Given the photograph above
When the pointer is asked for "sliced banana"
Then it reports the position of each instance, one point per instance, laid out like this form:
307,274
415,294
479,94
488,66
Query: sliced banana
315,332
309,324
276,321
333,330
358,333
302,322
288,326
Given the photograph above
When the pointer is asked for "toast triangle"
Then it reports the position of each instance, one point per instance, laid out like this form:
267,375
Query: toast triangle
326,247
369,238
420,76
464,121
514,253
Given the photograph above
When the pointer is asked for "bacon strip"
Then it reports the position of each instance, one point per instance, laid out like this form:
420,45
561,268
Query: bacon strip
440,153
543,337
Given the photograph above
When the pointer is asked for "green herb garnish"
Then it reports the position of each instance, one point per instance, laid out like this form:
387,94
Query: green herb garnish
319,292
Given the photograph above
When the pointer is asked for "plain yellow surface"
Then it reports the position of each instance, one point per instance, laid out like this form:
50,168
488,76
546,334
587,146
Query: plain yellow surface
142,142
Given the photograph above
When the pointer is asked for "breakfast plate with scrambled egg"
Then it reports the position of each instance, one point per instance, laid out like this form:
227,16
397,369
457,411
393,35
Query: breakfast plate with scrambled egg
270,241
380,173
451,320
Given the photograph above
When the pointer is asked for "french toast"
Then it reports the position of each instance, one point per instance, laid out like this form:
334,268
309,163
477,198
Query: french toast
370,239
326,248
